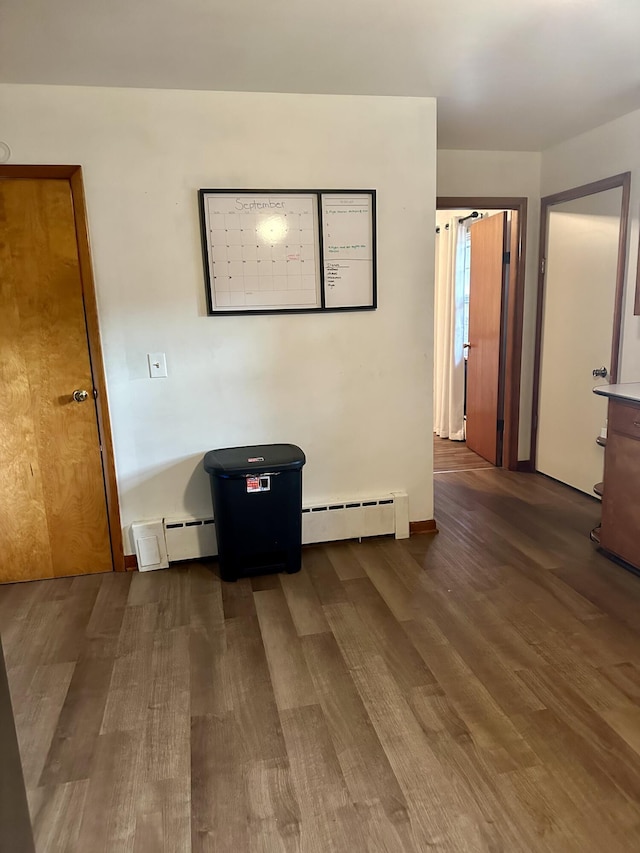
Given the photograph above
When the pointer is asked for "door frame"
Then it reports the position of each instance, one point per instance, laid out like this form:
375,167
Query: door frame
73,174
622,180
512,347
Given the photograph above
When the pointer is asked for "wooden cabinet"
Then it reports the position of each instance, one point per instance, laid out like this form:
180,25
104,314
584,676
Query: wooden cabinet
620,530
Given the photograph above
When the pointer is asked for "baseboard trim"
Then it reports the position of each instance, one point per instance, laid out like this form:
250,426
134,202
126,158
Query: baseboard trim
417,528
130,563
525,466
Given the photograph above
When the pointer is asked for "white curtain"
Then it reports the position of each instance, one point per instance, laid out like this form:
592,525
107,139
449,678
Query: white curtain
448,402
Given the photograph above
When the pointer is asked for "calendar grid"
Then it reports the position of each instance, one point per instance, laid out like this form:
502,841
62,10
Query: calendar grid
263,258
264,251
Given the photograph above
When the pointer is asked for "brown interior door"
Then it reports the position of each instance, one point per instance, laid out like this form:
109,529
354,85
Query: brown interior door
488,245
53,513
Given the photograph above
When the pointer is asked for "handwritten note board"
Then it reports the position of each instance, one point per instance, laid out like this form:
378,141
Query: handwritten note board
273,251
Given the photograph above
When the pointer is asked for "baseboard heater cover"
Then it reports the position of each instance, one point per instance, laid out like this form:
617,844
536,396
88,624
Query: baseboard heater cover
190,538
148,538
356,519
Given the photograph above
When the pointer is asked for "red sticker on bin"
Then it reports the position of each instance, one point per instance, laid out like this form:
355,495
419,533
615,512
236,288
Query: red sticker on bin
256,459
253,484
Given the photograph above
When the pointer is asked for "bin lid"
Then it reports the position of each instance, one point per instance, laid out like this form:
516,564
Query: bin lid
256,458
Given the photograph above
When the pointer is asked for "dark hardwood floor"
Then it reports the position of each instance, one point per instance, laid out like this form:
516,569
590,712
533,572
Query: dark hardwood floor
455,456
471,691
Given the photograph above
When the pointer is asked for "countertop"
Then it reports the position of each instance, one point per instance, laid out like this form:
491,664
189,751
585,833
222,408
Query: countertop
625,391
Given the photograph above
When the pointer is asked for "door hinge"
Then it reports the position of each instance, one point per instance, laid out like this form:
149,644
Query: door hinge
500,425
543,265
506,257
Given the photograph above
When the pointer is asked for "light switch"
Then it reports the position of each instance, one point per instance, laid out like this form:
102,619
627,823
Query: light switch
157,364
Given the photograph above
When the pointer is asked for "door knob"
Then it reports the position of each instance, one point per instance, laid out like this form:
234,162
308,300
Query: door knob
600,371
80,395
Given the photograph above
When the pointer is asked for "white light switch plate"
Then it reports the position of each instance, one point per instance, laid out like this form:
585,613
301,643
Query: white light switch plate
157,365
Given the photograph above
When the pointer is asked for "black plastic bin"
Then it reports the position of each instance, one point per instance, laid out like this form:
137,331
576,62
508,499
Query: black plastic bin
257,508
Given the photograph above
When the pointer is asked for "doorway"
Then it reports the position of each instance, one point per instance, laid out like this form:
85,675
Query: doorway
478,334
583,239
58,498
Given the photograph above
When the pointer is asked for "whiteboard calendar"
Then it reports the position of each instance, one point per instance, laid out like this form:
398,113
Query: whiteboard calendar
347,224
273,251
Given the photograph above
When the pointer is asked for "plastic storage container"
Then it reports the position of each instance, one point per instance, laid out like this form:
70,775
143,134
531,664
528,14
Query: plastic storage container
257,507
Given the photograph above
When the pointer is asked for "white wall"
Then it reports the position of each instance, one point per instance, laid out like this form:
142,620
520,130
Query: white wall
608,150
353,390
505,173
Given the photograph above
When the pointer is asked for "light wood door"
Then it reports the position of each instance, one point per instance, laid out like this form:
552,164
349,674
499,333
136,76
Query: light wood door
488,242
53,513
577,327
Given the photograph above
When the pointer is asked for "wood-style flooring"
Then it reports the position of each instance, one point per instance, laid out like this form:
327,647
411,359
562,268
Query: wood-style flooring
455,456
476,690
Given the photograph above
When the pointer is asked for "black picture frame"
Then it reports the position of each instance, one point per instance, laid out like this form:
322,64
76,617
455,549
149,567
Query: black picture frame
214,311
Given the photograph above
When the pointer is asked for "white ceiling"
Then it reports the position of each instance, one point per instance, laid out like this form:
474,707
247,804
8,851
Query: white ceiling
509,74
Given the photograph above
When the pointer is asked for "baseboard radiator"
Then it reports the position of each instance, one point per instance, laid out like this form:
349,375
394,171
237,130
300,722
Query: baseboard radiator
162,541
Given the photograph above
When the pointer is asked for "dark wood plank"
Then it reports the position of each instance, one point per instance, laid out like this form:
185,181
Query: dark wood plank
363,762
163,817
56,816
130,688
273,812
304,604
451,456
15,825
329,820
474,691
108,821
211,677
167,723
237,599
290,678
254,704
218,802
323,576
408,668
78,727
37,716
437,812
262,582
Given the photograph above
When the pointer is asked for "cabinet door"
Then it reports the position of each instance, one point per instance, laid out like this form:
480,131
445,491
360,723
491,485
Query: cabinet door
620,531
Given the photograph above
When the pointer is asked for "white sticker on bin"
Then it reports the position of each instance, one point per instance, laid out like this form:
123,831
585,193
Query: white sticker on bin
255,459
259,484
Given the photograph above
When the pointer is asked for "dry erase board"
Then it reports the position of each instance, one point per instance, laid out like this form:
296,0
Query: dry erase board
274,251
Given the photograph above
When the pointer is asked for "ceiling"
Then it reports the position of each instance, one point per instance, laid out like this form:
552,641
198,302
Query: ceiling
508,75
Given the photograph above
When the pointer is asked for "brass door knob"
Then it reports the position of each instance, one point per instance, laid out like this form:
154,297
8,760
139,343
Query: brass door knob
80,395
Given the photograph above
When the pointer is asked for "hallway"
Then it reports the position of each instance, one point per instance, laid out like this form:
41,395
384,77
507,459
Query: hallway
455,456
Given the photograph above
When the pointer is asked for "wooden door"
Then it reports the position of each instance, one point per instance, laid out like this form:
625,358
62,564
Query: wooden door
488,243
53,512
581,261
